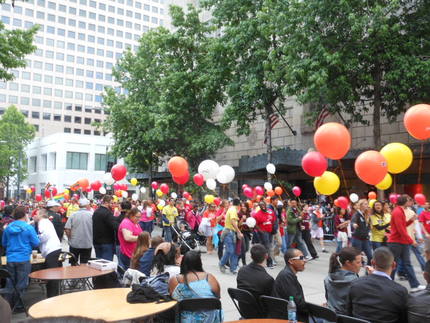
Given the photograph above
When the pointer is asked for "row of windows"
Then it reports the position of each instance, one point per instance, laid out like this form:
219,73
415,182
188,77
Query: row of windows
48,91
74,160
57,117
68,82
68,107
89,38
81,48
85,132
60,68
90,50
13,99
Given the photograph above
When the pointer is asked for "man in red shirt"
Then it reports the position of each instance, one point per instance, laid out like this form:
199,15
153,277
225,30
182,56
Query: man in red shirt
399,241
264,224
425,220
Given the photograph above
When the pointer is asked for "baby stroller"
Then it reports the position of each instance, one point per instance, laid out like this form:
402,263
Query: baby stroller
187,240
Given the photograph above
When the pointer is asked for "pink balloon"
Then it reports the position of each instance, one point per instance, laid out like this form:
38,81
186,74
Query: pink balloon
116,186
244,186
297,191
164,188
420,198
259,190
314,163
199,179
54,191
2,204
248,192
154,185
343,202
393,198
186,195
96,185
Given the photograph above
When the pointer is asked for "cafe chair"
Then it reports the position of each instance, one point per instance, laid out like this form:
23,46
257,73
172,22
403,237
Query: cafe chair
65,255
4,274
199,305
321,312
349,319
276,308
246,304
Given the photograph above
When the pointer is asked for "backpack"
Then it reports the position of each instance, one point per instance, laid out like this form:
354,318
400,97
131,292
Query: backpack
160,283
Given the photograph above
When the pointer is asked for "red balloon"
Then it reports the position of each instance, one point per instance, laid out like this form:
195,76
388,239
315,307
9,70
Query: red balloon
314,164
54,191
198,179
116,186
371,167
182,179
39,197
248,192
217,201
186,195
420,198
88,189
47,194
371,196
393,198
259,190
123,187
154,185
343,202
297,191
118,172
417,121
118,193
164,188
178,166
96,185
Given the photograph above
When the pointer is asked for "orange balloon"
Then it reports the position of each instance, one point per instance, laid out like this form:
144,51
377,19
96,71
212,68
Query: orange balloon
258,198
371,196
118,193
371,167
83,183
336,202
271,193
278,190
332,140
189,197
417,121
178,166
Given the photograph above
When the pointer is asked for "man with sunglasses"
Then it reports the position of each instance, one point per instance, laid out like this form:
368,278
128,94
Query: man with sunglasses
287,284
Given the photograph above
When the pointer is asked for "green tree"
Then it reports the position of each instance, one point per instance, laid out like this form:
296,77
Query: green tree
356,57
15,134
14,46
173,91
249,48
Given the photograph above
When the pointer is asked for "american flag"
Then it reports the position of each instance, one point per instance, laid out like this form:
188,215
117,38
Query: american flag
274,119
324,113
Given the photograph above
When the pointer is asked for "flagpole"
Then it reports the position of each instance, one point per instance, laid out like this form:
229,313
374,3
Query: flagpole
286,122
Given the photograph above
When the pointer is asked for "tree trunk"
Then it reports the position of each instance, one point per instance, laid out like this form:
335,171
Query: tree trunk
377,109
150,181
7,188
268,137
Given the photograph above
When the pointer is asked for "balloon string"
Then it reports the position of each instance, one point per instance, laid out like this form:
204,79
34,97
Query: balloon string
343,176
420,167
282,186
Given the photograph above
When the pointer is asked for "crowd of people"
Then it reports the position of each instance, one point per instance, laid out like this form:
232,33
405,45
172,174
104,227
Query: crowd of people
380,237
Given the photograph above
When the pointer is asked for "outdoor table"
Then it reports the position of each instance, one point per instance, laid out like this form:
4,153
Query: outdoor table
34,261
98,304
82,272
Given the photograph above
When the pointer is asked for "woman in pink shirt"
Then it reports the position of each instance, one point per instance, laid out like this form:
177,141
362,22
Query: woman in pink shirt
128,231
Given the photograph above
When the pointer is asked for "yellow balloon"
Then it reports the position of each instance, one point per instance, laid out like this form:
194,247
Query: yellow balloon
399,157
328,183
66,191
385,184
159,193
29,191
115,198
160,207
209,199
371,203
133,181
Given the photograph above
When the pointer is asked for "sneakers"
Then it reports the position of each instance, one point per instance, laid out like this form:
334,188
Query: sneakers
418,288
234,272
324,251
222,268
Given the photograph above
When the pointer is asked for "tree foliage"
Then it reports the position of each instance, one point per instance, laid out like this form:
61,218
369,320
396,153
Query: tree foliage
356,57
173,90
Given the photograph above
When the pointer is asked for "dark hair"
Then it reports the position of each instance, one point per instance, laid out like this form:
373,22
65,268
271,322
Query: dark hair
274,197
374,210
8,210
191,263
383,258
258,253
132,212
338,259
290,253
19,213
125,205
293,199
160,259
236,201
107,199
403,199
155,241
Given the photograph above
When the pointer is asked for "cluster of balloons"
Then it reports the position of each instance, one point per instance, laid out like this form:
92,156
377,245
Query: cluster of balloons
257,192
178,168
209,171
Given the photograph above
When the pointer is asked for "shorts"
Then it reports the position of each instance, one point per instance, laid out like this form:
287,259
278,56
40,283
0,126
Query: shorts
317,234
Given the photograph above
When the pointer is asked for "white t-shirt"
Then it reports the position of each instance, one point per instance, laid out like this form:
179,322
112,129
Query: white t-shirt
49,241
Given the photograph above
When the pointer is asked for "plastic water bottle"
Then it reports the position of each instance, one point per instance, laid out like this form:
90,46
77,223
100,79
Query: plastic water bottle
292,311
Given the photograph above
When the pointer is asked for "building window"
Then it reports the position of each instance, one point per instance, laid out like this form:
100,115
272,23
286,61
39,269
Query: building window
96,133
36,127
35,114
100,162
46,116
77,131
44,162
53,160
75,160
67,130
78,119
78,108
57,117
87,132
32,164
67,118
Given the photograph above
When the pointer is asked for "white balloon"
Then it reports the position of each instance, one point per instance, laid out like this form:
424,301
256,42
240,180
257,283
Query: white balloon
107,179
124,194
225,174
268,186
250,222
353,198
142,190
271,169
174,195
208,168
211,184
134,197
162,202
102,190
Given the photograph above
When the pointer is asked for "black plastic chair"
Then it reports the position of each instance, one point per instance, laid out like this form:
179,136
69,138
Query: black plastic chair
65,255
321,312
276,308
199,305
6,275
349,319
245,303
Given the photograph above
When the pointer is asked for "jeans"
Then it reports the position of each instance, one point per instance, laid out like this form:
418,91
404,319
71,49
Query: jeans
339,245
297,238
417,251
167,234
376,244
364,246
125,260
245,247
104,251
265,239
402,251
284,246
81,254
51,261
147,226
306,235
229,251
19,272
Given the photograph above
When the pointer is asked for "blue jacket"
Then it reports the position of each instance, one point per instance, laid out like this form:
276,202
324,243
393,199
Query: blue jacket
19,238
145,262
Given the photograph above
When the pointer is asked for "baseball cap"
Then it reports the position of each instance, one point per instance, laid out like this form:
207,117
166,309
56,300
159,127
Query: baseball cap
52,203
83,202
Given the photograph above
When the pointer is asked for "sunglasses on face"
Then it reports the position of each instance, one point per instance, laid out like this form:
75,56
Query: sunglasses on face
298,258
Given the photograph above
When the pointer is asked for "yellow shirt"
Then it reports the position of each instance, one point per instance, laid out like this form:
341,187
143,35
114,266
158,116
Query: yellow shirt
171,213
229,216
378,235
72,208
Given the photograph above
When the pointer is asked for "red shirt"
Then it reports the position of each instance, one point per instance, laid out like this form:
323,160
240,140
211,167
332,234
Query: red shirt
265,220
221,212
425,220
398,227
